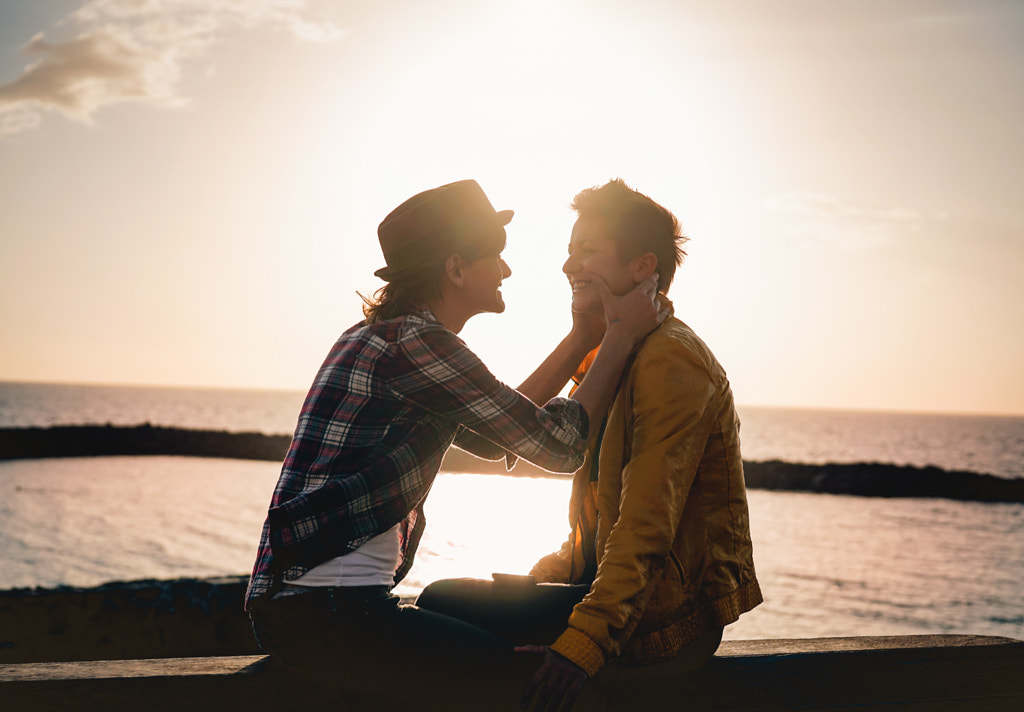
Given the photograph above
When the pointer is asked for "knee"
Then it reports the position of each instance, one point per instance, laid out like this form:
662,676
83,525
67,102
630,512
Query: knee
447,594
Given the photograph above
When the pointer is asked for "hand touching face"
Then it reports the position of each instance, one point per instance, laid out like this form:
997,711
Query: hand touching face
593,254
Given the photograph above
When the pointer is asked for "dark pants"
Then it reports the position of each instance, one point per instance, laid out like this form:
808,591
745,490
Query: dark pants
363,651
517,610
368,652
524,612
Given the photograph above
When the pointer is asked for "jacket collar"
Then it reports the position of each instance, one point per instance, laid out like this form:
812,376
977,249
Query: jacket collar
581,371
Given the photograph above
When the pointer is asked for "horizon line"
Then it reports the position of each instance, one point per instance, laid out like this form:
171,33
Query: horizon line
285,389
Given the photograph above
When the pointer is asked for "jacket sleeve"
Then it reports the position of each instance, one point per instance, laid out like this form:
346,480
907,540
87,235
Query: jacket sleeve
671,393
556,567
569,564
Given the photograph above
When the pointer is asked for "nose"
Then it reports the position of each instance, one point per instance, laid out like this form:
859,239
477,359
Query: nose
569,266
506,271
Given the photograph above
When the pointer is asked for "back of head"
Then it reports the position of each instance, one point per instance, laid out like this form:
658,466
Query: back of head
637,224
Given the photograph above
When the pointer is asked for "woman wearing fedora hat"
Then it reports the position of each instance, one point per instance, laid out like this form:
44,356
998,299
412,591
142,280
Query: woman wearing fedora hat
393,394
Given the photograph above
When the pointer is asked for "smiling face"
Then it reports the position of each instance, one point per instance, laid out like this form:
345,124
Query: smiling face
482,284
593,254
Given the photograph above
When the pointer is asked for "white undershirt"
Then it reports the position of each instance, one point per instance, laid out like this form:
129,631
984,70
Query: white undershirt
372,564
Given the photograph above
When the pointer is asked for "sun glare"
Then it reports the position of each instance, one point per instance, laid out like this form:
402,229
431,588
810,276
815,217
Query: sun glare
482,517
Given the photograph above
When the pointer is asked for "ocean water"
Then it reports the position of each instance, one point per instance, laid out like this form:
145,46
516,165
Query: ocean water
972,443
829,565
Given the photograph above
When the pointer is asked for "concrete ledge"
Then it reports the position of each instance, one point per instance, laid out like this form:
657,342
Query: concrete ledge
917,673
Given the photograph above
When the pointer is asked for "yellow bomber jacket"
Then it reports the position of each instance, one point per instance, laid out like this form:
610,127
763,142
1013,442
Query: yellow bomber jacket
660,524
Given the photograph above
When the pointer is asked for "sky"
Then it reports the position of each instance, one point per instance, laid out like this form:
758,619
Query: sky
190,189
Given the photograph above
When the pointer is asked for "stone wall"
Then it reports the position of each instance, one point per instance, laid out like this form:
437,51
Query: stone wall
138,619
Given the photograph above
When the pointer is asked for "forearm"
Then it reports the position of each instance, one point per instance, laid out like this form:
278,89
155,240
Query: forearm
598,388
630,319
554,372
477,445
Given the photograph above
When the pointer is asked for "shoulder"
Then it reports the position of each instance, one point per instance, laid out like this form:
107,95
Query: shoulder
403,330
391,329
674,347
393,341
421,343
674,368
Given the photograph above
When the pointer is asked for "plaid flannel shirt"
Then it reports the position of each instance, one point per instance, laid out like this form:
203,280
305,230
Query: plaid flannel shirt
386,404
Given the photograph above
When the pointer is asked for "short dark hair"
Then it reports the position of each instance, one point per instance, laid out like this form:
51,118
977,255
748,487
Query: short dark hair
412,289
636,224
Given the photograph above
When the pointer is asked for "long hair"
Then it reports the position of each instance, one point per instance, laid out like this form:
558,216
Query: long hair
405,295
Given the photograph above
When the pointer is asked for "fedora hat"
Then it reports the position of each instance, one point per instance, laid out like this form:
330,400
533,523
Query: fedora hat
426,226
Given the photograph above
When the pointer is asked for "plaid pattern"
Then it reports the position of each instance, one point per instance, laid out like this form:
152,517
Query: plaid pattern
387,402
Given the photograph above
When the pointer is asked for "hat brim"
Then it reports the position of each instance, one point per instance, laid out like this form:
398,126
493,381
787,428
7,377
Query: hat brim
386,274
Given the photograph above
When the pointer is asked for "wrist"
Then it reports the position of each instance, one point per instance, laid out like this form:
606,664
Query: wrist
578,648
616,347
582,343
619,332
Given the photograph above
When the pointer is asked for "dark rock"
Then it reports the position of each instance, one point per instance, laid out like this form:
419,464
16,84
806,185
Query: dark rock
96,440
864,479
880,480
126,620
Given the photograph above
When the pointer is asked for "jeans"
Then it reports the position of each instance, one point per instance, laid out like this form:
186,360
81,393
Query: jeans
371,653
375,654
525,612
519,611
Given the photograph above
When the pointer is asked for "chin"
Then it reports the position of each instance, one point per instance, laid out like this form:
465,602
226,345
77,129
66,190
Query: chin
582,302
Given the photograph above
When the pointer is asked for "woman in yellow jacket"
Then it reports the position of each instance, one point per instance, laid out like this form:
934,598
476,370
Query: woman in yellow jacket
659,557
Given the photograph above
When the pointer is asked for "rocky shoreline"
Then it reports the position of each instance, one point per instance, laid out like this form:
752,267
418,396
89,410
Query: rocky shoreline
862,479
881,480
146,439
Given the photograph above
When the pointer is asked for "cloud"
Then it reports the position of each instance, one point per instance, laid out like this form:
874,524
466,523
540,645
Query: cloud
136,50
17,119
79,76
816,218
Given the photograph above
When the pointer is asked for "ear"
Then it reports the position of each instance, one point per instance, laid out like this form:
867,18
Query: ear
644,266
453,269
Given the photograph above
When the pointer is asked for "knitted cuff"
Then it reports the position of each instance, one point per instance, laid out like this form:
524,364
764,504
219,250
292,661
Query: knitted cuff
581,650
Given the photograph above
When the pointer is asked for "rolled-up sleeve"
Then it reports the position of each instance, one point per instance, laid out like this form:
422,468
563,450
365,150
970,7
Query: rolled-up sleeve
438,373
